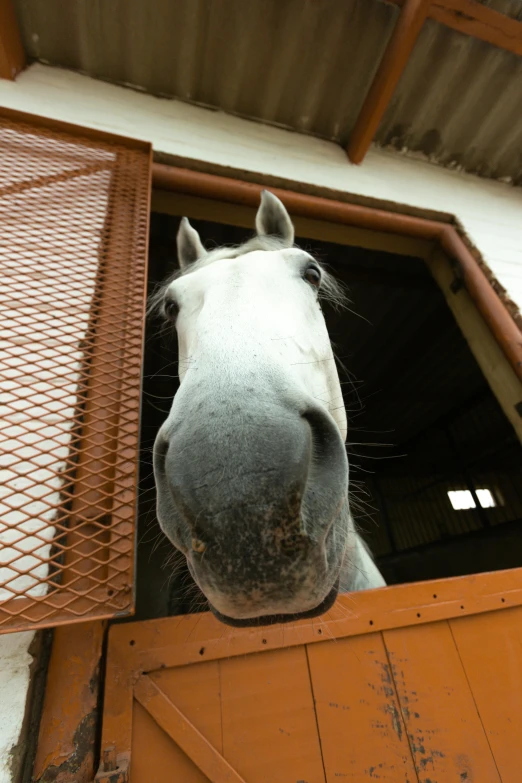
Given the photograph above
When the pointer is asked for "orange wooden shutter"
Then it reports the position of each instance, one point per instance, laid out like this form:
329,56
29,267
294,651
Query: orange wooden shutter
74,213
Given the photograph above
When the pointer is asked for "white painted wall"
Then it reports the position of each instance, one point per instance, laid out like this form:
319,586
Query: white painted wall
15,662
490,212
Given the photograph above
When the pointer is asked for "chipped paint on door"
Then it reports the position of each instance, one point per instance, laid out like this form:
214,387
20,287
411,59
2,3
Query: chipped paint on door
357,695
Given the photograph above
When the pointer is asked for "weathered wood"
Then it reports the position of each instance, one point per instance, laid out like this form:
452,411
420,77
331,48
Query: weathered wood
184,733
69,723
360,724
446,736
12,55
504,383
490,648
269,722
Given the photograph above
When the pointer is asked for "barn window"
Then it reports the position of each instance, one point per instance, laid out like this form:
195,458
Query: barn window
462,499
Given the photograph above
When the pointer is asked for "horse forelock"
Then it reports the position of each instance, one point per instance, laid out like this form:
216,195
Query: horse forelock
331,290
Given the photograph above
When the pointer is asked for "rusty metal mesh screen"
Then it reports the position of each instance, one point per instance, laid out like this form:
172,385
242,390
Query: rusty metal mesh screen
73,233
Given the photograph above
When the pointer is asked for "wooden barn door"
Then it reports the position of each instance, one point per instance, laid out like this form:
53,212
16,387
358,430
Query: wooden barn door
411,684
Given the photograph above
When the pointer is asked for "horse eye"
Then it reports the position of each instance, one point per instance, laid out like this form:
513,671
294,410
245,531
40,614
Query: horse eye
313,276
171,310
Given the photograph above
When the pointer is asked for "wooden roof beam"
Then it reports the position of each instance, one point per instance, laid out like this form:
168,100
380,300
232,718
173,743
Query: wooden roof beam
465,16
12,55
479,21
403,38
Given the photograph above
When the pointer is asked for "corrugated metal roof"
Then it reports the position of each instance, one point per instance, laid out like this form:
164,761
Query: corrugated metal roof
459,102
302,64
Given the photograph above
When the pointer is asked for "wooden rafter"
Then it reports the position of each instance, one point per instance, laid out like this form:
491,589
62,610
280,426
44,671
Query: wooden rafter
12,55
396,55
68,725
476,20
479,21
465,16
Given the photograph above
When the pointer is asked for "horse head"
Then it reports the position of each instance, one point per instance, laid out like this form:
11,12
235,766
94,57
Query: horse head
250,466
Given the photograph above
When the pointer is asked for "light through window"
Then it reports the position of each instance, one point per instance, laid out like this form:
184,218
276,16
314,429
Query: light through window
462,499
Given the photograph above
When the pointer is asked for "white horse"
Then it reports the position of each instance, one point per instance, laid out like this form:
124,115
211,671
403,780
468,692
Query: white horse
250,466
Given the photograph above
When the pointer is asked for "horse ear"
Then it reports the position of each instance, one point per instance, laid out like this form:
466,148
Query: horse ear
273,220
190,248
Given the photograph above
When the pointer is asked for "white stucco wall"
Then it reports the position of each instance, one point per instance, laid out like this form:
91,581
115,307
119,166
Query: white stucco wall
490,212
15,662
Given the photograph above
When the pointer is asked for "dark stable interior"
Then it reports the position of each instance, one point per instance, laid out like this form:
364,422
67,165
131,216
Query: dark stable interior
422,422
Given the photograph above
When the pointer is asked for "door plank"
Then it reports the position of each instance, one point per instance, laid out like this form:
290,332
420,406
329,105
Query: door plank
184,733
269,723
490,647
446,735
153,754
196,691
360,724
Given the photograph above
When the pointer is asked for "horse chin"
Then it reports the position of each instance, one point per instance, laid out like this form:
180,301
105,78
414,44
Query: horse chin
272,619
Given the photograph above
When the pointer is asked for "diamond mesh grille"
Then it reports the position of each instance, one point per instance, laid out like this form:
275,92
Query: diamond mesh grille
74,210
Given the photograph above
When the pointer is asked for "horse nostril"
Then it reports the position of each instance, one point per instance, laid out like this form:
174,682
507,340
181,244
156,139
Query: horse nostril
322,432
198,546
159,453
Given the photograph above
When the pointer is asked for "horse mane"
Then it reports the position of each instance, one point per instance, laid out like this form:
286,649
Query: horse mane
331,291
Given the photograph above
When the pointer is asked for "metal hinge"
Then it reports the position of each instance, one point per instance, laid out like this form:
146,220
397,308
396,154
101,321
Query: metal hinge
457,284
112,770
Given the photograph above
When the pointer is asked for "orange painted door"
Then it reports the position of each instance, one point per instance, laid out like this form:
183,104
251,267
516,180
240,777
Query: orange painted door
412,684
